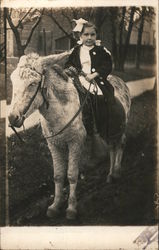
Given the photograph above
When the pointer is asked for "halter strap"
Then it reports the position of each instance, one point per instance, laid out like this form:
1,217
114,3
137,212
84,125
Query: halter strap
40,86
32,99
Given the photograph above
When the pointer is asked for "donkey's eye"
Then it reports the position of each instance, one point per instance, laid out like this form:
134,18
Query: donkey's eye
32,84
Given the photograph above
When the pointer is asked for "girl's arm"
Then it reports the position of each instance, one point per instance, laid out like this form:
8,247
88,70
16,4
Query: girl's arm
105,66
70,61
92,76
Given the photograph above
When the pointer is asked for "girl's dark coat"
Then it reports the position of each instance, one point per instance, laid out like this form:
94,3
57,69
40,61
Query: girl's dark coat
100,62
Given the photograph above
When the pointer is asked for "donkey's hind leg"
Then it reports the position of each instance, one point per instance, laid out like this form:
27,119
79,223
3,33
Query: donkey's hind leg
59,164
116,154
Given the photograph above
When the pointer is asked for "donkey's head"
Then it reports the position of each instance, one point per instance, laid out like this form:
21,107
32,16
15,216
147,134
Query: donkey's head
27,80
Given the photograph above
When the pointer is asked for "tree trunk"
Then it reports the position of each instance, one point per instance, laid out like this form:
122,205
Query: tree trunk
126,46
121,68
113,15
20,50
15,30
139,39
20,47
100,16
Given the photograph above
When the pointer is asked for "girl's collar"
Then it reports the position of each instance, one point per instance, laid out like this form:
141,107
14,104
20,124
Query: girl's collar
86,47
97,42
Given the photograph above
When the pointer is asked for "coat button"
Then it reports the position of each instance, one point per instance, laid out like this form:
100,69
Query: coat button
102,83
94,53
93,70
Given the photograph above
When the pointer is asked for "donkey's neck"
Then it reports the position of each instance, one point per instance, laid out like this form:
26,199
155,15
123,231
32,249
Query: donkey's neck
63,100
59,88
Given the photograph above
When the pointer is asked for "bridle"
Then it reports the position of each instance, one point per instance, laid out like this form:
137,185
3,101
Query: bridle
41,87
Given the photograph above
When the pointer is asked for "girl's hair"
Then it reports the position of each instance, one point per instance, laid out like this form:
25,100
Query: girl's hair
88,25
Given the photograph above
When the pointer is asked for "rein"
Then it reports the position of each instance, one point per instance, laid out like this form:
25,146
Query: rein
40,86
73,118
32,99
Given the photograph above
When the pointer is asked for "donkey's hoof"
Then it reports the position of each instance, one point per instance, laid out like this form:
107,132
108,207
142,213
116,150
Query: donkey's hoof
52,212
71,214
109,179
117,174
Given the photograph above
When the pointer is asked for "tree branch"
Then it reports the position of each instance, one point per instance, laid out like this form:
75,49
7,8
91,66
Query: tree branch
103,19
3,47
91,14
2,58
129,32
10,12
32,30
20,21
74,13
121,25
60,27
68,19
10,20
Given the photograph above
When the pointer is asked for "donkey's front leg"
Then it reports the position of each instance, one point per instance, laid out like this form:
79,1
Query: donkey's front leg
59,163
72,174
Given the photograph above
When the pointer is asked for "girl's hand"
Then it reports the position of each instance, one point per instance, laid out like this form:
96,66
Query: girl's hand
90,77
73,70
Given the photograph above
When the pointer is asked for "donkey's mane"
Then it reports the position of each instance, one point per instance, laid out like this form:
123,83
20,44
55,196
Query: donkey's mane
34,62
59,70
28,60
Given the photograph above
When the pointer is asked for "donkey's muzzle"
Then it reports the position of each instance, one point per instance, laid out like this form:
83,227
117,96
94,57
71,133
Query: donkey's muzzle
15,120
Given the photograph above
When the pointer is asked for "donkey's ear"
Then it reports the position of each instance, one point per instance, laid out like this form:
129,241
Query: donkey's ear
56,59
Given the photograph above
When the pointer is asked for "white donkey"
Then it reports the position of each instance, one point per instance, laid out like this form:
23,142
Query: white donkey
37,82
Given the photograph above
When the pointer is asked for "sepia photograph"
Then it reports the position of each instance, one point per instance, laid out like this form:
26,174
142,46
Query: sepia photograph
78,119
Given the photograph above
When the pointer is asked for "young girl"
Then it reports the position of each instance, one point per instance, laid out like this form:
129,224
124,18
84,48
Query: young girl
95,61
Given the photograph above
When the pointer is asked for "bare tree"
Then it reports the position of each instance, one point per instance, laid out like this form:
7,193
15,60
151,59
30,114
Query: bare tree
126,45
139,39
121,28
122,20
68,14
117,17
145,13
96,15
28,15
113,17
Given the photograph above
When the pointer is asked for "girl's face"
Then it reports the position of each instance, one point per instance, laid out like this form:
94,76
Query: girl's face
88,36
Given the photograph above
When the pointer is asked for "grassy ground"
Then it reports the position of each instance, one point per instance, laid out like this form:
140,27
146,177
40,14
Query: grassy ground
127,202
131,73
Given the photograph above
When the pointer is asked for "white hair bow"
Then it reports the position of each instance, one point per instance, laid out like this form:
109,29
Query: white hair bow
79,24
